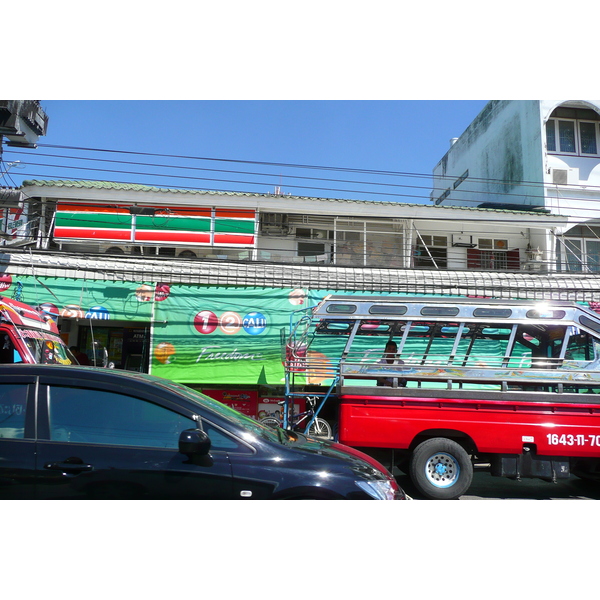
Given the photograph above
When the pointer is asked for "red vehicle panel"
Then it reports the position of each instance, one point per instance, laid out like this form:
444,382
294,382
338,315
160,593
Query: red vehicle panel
494,427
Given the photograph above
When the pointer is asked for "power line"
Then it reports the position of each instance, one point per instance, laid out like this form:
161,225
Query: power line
287,165
456,198
301,178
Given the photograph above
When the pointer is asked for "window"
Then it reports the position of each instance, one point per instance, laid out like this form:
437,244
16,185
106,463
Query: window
495,260
587,135
8,352
579,254
46,350
348,236
580,347
573,136
94,416
220,441
431,251
13,398
310,233
306,249
492,244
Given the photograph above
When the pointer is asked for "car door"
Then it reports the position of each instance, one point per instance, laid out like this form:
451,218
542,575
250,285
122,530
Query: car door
17,437
104,443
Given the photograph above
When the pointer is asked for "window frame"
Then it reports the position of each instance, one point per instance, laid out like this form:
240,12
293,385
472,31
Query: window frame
554,123
567,265
28,384
249,448
90,389
427,242
596,134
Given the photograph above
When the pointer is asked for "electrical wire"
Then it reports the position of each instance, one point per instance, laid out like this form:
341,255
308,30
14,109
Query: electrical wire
302,178
497,194
294,177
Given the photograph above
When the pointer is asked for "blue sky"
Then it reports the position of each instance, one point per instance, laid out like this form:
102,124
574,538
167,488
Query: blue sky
405,136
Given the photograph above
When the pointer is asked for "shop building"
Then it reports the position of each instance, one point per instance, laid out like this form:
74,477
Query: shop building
198,286
543,155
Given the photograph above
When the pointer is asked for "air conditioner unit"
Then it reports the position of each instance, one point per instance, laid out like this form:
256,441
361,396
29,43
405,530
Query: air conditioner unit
564,176
117,249
274,223
463,241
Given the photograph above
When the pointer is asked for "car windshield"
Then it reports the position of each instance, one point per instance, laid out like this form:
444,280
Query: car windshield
223,410
47,349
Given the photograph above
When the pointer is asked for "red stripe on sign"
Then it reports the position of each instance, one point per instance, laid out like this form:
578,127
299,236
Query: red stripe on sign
229,239
92,234
91,208
172,236
232,213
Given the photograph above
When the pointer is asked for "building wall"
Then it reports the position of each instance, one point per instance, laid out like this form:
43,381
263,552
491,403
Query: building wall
576,197
314,231
499,156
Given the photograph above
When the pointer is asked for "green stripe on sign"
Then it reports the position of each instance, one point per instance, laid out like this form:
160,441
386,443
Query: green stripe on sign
234,226
96,221
172,223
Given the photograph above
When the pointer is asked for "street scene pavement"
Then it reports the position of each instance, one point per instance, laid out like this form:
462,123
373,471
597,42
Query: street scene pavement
486,487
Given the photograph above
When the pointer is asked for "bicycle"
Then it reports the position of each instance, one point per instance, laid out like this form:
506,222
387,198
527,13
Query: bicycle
318,428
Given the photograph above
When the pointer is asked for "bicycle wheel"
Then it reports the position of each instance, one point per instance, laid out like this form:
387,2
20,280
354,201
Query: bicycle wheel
270,422
320,428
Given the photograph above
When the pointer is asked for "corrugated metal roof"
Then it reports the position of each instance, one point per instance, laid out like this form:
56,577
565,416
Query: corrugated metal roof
559,286
117,186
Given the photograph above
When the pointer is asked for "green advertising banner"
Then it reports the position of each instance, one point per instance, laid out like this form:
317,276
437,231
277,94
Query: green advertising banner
82,299
228,335
222,335
199,334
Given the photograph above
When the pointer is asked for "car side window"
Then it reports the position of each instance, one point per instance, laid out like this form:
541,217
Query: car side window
220,441
13,400
91,416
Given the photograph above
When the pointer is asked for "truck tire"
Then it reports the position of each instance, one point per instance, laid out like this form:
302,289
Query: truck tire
441,469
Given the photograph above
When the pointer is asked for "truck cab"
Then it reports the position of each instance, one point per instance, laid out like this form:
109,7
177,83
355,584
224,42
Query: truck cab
29,335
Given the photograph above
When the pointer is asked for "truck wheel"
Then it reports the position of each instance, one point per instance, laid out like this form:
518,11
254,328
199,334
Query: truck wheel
441,469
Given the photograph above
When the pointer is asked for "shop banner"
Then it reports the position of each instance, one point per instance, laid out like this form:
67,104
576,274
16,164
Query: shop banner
232,335
83,299
200,335
222,335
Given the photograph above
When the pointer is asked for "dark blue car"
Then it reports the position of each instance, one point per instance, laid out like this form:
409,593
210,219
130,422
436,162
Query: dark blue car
81,432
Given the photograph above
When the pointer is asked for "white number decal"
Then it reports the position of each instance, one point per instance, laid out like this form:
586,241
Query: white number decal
569,439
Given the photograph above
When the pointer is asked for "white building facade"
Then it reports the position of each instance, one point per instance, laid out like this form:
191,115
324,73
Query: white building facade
543,156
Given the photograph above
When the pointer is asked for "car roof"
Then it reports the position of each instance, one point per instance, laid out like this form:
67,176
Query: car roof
83,372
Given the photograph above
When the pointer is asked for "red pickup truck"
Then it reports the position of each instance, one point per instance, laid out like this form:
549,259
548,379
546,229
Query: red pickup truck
438,385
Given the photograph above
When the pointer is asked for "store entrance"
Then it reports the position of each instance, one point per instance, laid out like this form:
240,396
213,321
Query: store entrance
116,346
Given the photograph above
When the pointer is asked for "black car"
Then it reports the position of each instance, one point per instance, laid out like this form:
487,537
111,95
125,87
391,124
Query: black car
82,432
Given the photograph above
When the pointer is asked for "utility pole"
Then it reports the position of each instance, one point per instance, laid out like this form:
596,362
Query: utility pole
22,122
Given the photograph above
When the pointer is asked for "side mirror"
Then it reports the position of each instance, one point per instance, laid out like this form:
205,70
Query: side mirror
194,442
